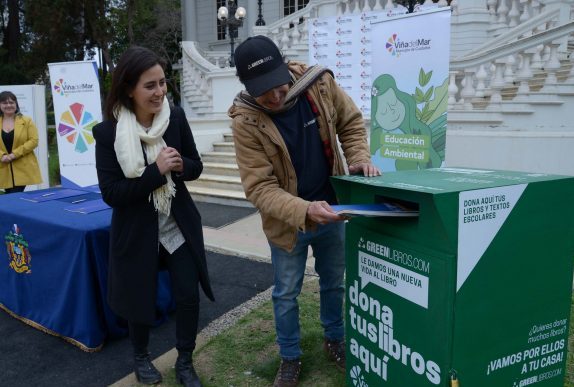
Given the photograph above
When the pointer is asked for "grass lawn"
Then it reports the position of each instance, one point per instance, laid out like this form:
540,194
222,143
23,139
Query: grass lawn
246,354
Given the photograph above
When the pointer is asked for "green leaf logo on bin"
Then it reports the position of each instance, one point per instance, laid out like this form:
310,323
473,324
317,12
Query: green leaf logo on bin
477,288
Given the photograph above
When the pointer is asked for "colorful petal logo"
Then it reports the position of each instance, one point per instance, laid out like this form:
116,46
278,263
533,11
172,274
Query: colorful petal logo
76,125
390,46
59,86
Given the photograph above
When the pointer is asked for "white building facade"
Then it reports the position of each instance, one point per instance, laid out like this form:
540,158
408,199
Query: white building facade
511,89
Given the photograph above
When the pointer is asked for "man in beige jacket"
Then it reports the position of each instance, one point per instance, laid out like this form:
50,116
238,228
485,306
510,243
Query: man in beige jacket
286,126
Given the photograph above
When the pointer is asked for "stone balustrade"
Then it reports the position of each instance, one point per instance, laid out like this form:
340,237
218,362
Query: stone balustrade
531,42
290,34
507,14
360,6
479,80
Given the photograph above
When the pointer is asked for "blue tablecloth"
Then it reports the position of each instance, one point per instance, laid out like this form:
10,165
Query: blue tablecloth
53,268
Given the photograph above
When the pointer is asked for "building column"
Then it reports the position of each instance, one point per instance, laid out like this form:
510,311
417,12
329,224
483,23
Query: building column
469,28
252,12
188,21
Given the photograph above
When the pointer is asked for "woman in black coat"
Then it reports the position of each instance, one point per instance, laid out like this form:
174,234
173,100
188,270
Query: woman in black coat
145,152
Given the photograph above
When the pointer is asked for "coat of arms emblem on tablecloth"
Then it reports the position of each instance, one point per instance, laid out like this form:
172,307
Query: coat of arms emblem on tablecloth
18,253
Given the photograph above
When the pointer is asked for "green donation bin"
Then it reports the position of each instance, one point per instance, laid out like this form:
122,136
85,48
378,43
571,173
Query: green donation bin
475,291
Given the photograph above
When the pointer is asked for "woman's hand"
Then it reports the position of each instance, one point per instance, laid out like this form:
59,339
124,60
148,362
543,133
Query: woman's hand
7,158
169,160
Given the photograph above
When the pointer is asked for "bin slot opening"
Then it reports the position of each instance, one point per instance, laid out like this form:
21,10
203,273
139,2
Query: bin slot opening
408,206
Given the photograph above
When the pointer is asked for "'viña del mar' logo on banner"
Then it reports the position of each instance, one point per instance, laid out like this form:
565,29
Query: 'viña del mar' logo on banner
64,88
76,126
18,252
396,46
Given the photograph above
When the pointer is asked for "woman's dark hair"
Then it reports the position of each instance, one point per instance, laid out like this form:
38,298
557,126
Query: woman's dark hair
133,62
6,95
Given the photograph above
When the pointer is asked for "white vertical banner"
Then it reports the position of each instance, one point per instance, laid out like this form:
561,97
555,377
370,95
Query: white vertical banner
343,44
77,109
409,94
32,103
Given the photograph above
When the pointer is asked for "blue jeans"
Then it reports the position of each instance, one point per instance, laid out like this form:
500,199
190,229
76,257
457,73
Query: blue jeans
328,244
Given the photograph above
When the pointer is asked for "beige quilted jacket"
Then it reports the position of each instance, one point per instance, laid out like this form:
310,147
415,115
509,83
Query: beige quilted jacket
267,174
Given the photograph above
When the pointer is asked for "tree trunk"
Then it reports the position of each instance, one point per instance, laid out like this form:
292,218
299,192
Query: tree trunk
131,4
108,59
13,31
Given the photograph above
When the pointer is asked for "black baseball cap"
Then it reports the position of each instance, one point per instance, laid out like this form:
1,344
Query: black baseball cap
260,65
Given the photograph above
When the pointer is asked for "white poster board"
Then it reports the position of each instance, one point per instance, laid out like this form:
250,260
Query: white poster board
32,102
360,48
343,44
77,109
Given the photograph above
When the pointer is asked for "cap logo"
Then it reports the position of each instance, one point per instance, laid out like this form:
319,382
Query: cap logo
260,61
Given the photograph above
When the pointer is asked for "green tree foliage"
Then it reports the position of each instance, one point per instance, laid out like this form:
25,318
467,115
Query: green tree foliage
56,33
155,24
38,32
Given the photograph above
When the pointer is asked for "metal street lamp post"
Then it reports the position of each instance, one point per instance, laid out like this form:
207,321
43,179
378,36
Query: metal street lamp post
231,17
260,21
411,5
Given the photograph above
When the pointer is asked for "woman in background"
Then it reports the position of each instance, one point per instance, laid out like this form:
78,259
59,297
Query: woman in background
145,152
18,163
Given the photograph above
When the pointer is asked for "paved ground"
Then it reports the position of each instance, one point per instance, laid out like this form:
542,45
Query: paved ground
244,238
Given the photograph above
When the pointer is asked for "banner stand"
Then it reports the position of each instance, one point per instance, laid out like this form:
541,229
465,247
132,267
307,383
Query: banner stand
409,90
77,109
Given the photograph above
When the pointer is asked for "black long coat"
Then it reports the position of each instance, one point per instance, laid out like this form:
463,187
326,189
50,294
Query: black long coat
134,239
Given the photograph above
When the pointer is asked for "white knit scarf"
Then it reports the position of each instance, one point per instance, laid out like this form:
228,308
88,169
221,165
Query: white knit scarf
130,134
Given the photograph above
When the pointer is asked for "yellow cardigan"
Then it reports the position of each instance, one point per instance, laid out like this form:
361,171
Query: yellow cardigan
25,167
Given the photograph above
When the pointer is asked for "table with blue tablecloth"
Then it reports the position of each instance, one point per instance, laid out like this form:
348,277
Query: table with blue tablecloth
53,268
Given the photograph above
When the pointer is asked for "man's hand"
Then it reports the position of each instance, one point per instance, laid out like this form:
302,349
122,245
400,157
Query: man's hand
367,169
322,213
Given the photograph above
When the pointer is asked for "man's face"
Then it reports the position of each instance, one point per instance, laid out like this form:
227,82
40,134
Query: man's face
274,99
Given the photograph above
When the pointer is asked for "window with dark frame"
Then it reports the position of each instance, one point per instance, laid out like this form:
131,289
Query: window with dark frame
221,35
292,6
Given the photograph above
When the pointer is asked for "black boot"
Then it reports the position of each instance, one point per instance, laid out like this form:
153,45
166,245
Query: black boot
184,371
145,371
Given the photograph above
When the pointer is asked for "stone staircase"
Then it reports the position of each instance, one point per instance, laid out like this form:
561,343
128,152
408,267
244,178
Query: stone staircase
220,181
